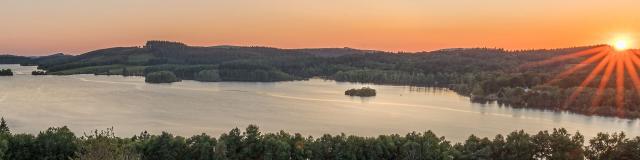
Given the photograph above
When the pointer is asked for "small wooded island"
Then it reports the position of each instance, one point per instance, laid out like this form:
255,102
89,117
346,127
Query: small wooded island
362,92
161,77
6,72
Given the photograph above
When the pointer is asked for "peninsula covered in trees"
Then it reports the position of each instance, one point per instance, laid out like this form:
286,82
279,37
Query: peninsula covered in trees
6,72
484,74
60,143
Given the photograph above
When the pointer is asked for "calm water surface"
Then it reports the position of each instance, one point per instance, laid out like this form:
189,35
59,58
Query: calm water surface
314,107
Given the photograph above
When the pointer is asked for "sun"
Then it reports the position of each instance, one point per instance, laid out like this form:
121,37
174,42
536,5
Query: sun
621,44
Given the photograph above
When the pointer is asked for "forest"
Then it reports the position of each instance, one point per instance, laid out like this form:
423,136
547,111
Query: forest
59,143
6,72
486,75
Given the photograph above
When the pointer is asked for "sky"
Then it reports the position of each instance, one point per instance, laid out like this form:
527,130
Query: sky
40,27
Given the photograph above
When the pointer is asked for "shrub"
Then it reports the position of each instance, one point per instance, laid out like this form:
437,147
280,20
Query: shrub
161,77
6,72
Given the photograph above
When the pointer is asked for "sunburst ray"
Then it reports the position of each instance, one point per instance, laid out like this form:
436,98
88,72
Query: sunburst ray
619,99
597,99
594,73
579,66
611,62
583,53
631,62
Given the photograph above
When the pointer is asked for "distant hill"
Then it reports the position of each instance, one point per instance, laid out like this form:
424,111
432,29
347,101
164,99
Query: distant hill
11,59
321,52
334,52
49,60
160,52
167,52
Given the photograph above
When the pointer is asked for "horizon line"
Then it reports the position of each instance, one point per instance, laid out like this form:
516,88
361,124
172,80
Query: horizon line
329,47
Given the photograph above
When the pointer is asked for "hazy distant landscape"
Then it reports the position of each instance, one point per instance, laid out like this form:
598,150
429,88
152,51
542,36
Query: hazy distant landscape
484,74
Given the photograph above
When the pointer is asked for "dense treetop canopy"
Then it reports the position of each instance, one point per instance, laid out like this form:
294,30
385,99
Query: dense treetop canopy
60,143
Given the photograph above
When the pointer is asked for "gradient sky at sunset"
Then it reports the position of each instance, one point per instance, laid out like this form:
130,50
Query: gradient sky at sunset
37,27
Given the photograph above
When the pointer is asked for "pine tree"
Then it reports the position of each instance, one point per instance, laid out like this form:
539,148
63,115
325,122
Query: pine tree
4,129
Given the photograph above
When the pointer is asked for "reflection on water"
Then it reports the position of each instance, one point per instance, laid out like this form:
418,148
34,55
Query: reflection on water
314,107
432,90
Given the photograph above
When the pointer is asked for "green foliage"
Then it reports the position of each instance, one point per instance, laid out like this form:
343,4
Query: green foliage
386,77
4,146
5,135
518,145
125,72
614,146
252,71
11,59
362,92
60,143
24,147
6,72
252,143
475,148
97,70
37,73
56,144
164,146
255,75
4,128
161,77
208,76
276,147
559,145
104,145
230,144
181,71
201,147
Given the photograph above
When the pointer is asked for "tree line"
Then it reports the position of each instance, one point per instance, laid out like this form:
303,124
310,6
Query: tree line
60,143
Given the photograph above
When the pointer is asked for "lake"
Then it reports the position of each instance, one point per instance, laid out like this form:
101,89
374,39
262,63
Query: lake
314,107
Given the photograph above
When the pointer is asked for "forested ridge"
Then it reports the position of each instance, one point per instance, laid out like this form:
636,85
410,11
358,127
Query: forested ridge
484,74
59,143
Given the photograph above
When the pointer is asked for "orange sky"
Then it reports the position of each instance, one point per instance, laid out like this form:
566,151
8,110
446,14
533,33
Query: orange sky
36,27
